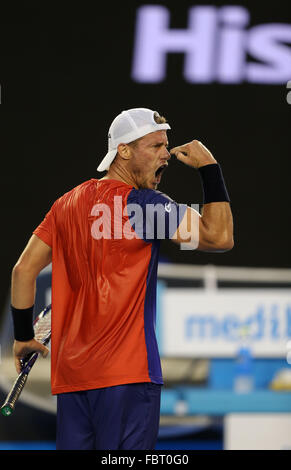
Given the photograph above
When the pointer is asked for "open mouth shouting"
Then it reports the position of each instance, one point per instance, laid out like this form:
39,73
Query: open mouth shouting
159,172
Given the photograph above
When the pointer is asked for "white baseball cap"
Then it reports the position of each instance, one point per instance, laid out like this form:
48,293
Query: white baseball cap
127,127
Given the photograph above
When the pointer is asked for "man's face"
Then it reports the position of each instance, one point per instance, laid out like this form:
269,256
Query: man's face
149,159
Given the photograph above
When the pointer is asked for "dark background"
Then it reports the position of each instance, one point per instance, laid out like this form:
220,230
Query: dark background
65,73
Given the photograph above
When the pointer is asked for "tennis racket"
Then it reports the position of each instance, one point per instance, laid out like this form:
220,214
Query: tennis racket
42,333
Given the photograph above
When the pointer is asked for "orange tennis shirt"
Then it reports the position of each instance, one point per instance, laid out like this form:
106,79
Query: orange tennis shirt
104,276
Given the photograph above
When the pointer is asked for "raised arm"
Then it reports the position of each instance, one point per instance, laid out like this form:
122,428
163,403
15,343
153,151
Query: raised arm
212,231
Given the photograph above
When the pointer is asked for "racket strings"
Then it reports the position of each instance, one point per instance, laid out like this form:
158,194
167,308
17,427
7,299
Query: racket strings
42,327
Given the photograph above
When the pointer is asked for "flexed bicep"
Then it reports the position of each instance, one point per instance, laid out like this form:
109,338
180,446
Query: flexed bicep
187,234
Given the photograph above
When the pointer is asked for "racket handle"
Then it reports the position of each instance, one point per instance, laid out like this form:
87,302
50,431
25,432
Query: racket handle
8,407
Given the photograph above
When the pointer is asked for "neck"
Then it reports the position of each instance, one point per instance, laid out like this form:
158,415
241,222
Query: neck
119,173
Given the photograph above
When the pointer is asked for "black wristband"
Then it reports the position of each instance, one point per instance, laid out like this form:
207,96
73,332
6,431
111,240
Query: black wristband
214,189
23,323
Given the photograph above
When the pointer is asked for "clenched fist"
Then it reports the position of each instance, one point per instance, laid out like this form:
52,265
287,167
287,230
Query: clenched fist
194,154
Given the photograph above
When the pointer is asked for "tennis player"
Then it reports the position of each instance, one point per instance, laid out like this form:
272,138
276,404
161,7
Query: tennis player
103,240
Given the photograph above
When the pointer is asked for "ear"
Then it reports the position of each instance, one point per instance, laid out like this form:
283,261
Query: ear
124,151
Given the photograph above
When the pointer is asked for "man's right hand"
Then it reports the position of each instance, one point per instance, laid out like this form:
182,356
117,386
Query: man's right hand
194,154
22,348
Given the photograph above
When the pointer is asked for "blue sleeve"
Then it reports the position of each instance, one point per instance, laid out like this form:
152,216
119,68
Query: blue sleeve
153,215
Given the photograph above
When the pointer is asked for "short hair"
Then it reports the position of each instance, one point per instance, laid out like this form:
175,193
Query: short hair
159,119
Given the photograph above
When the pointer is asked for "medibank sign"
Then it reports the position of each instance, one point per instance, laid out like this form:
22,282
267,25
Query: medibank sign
197,323
218,43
